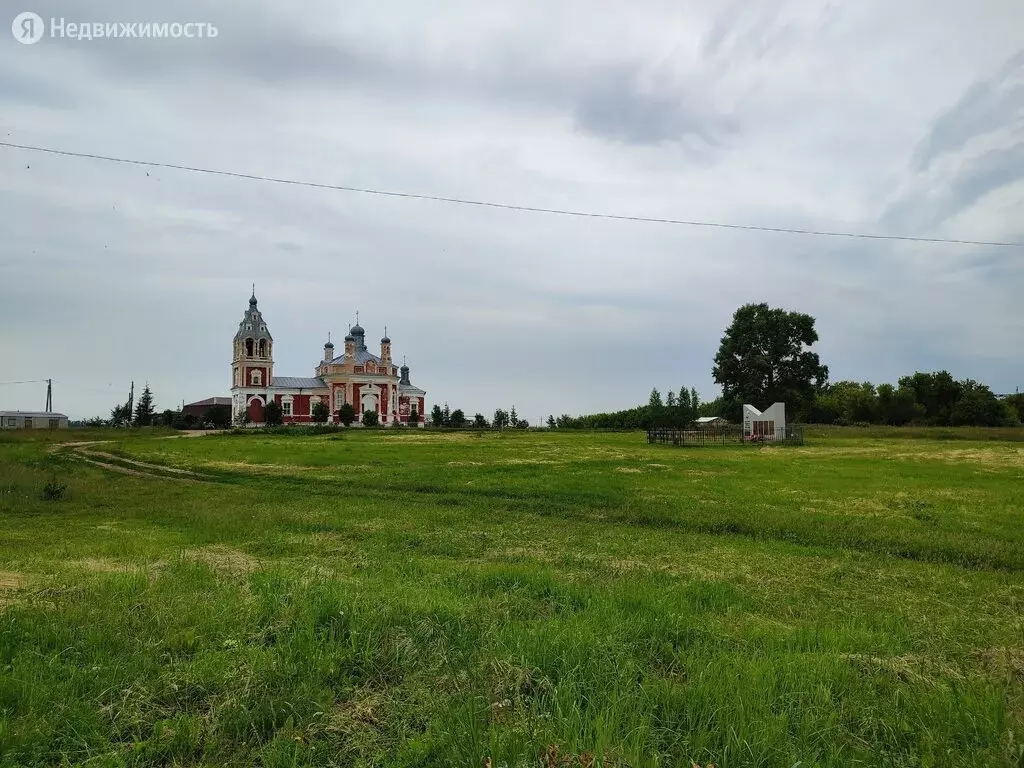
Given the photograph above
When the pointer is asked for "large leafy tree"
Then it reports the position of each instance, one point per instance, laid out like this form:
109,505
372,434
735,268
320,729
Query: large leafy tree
764,358
937,393
1016,402
977,405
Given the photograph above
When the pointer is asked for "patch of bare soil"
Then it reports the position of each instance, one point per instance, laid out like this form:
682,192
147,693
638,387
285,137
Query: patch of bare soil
10,583
112,467
82,452
225,559
908,668
142,464
12,580
102,565
360,712
1005,663
73,445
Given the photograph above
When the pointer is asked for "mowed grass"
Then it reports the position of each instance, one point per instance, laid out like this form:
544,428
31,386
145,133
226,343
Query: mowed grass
413,599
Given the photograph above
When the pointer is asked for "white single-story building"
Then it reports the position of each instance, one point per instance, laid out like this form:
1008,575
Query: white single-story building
32,420
769,424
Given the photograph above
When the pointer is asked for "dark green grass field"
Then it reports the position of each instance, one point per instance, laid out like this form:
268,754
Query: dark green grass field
414,599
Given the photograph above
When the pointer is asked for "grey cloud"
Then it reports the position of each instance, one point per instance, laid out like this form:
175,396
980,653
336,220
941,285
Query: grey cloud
992,111
754,29
617,106
976,177
615,99
991,104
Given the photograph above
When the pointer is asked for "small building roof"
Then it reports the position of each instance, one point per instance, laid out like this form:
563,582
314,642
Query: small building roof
709,419
210,401
34,414
298,382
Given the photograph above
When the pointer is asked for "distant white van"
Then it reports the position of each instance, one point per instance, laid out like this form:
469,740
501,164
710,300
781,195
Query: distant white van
32,420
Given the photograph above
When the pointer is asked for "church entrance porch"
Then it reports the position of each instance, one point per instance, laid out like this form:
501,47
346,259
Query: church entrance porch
255,410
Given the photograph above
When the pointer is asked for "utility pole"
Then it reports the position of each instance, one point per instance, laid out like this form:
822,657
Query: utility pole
49,395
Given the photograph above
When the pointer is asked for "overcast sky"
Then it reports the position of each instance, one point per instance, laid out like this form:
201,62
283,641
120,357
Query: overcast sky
898,118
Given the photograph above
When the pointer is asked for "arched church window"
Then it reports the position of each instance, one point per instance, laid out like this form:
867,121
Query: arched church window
256,378
263,347
248,347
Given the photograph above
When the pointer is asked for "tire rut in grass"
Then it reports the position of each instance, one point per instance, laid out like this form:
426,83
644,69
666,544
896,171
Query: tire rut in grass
111,462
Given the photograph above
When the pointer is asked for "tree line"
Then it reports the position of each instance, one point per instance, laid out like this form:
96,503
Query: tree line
143,413
675,410
443,416
934,399
765,357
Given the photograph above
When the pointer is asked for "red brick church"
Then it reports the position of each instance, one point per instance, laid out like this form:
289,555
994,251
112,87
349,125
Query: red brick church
369,382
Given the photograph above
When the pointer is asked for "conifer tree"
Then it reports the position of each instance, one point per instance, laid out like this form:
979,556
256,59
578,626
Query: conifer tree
145,409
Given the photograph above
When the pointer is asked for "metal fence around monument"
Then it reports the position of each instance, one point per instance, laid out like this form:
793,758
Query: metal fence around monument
728,435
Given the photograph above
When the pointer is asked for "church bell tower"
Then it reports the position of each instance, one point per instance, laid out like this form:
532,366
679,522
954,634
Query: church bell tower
252,360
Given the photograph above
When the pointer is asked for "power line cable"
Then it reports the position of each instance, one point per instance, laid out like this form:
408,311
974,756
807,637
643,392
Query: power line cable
510,206
29,381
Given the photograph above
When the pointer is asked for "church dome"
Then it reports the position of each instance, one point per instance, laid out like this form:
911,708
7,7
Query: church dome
252,300
385,340
357,330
